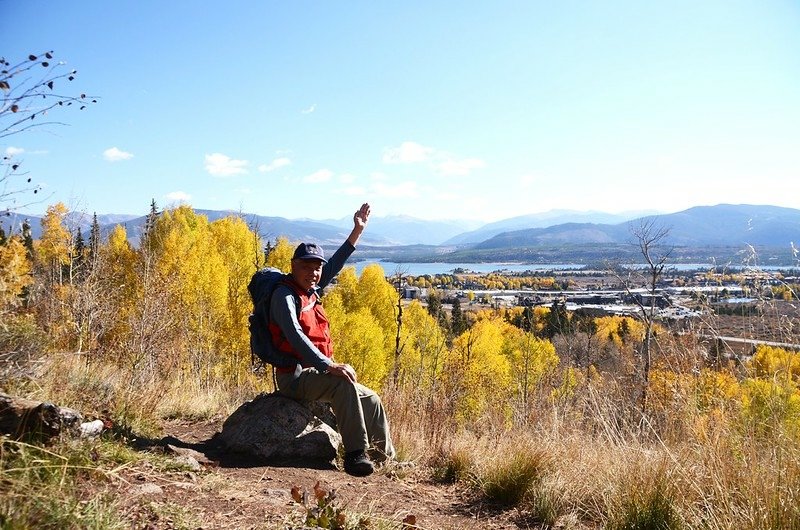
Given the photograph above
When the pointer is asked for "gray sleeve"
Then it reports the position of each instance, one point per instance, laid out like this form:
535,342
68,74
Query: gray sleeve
283,312
335,263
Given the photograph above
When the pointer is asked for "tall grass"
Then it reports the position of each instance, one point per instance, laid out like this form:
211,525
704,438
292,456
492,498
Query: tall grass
687,463
54,488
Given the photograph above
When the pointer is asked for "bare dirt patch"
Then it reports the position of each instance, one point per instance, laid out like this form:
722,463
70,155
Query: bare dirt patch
232,494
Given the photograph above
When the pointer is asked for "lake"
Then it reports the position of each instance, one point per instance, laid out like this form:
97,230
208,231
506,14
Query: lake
420,269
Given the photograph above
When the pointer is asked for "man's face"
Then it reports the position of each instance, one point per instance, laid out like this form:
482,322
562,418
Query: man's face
306,272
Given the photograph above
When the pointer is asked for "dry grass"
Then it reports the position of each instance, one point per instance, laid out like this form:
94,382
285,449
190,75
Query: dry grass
587,459
584,460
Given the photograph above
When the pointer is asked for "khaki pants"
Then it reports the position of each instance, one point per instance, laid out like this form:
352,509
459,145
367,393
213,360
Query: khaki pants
359,412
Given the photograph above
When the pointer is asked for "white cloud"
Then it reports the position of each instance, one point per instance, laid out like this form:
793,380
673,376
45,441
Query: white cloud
347,178
357,191
397,191
526,181
177,196
275,164
441,162
455,167
310,109
114,154
407,153
12,151
323,175
220,165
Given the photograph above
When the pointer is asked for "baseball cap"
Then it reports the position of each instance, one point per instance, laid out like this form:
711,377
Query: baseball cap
309,251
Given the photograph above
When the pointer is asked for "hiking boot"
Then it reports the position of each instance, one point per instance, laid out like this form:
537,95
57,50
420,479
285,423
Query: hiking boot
357,464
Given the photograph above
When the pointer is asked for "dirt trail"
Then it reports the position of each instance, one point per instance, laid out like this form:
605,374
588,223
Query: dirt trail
236,496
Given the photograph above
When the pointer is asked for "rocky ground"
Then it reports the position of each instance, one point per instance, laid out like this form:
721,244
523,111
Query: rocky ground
226,494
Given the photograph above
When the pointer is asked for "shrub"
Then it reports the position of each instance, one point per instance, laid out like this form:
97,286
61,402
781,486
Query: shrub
647,507
20,336
513,475
453,466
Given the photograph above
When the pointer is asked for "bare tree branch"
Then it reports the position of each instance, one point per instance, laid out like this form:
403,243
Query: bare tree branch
28,95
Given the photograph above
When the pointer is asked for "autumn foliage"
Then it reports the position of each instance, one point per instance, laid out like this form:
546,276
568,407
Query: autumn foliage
166,310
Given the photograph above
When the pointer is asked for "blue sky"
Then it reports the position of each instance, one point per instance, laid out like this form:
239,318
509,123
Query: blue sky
437,110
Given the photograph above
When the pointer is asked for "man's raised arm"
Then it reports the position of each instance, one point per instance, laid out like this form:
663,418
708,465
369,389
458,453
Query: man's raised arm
336,262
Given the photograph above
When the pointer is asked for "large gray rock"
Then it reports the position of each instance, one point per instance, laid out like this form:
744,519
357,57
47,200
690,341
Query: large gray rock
274,429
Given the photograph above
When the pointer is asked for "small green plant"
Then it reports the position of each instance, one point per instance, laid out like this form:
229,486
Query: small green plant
647,508
322,512
542,506
453,466
514,475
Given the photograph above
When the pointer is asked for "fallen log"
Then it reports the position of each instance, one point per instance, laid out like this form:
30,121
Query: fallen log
22,418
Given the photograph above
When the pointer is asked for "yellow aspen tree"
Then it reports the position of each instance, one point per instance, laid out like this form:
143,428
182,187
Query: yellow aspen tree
280,256
117,266
357,338
370,294
532,359
51,297
479,369
15,273
618,330
774,363
359,342
53,248
347,287
237,245
379,297
188,259
424,349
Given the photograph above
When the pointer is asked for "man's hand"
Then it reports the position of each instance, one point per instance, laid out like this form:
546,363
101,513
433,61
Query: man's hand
361,216
343,370
360,219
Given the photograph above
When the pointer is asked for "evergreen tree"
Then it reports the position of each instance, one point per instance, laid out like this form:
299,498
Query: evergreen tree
94,240
3,238
79,252
434,304
27,238
436,310
151,219
557,320
458,321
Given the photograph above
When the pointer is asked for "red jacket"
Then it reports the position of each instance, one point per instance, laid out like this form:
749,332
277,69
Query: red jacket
314,323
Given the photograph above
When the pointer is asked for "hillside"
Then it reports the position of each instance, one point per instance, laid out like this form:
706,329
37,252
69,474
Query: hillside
539,220
701,226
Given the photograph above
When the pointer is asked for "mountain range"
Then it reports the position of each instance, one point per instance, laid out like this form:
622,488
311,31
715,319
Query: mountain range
720,225
723,225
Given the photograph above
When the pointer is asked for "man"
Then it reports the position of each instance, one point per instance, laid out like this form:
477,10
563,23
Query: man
317,377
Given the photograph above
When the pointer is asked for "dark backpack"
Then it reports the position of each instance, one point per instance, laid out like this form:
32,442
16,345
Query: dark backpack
261,287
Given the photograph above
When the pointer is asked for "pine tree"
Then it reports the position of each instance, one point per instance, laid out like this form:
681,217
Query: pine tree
434,304
557,320
151,219
458,322
3,238
94,241
79,252
27,238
